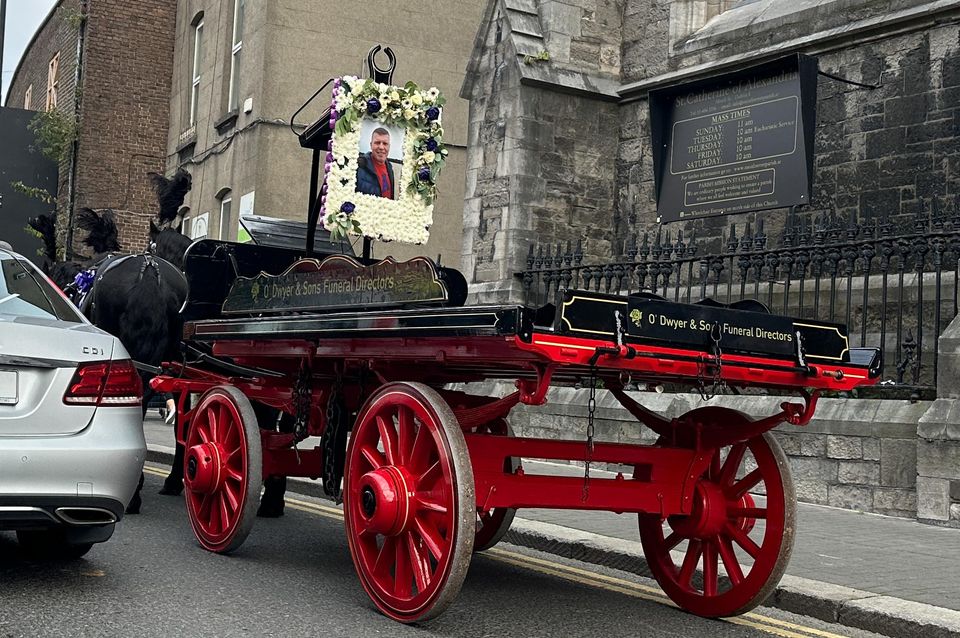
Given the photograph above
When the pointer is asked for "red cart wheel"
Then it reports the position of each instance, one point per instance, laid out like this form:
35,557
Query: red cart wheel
410,508
751,540
493,525
222,468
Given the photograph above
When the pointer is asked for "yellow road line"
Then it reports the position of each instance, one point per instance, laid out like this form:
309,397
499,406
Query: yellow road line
754,620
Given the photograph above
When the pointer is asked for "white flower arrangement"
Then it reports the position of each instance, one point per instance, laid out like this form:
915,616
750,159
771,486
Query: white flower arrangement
408,217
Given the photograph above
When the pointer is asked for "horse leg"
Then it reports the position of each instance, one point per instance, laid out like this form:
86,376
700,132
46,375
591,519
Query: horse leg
274,487
173,484
136,501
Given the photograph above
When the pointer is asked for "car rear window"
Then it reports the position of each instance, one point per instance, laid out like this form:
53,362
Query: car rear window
24,292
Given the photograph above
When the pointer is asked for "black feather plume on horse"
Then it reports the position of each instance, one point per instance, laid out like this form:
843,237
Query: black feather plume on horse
61,273
45,227
101,229
170,194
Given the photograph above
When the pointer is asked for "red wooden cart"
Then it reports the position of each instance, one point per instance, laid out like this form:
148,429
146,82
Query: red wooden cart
431,475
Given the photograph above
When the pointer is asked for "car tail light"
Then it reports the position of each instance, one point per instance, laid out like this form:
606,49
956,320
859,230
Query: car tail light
105,383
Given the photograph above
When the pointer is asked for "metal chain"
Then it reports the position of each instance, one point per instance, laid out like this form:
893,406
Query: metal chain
716,381
301,398
331,434
591,409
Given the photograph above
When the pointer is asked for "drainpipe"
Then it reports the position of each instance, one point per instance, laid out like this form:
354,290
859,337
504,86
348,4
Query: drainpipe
3,29
75,146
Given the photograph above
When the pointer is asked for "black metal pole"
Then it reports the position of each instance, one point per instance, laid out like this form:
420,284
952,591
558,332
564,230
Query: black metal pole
313,208
3,31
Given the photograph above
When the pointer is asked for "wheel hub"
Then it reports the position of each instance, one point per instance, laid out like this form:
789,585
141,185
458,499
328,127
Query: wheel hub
709,514
203,468
385,501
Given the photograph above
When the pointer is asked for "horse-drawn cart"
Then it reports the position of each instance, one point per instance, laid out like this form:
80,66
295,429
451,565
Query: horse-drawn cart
431,474
361,353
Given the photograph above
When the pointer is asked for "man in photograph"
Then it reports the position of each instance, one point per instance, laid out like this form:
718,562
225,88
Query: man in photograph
374,173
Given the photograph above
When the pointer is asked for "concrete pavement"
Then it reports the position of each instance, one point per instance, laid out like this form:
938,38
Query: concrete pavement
887,575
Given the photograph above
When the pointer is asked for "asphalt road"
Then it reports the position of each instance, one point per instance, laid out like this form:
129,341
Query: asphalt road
293,577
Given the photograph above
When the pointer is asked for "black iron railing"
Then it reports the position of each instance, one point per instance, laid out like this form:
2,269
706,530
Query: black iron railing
891,284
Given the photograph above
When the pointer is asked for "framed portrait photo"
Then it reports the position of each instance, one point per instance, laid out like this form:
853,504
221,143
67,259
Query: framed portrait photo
384,158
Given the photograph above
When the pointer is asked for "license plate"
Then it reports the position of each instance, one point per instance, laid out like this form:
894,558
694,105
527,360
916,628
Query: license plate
8,387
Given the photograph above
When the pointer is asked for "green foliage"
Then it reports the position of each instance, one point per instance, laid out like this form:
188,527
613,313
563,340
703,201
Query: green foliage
542,56
55,133
31,191
73,17
343,225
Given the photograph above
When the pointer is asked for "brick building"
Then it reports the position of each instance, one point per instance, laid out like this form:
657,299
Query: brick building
243,68
107,65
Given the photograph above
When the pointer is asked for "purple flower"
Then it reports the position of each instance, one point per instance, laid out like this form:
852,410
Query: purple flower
432,113
373,106
424,174
432,144
347,207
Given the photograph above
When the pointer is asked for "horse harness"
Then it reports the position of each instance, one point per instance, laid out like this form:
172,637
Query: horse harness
84,281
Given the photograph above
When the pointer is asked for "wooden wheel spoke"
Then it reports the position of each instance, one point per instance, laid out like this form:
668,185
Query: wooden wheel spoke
730,562
203,433
405,434
431,474
402,573
672,541
709,568
388,437
232,498
731,464
421,566
225,518
747,512
744,485
430,505
743,540
213,422
204,509
386,557
216,523
694,550
420,450
372,456
431,538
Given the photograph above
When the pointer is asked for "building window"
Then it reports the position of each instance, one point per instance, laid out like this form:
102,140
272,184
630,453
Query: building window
28,98
195,76
236,46
226,218
53,71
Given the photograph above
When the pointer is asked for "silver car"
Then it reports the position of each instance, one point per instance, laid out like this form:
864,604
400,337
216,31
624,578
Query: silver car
71,429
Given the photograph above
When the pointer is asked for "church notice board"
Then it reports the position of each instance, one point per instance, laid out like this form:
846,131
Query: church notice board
737,142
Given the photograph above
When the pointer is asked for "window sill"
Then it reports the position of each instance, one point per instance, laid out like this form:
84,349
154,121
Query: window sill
228,121
188,139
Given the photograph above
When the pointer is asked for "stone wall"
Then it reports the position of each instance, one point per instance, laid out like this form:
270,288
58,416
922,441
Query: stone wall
540,161
938,442
884,151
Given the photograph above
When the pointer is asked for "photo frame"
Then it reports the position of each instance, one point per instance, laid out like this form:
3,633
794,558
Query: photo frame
389,195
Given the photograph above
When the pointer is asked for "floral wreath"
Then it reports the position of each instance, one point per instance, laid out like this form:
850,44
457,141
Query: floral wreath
408,218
